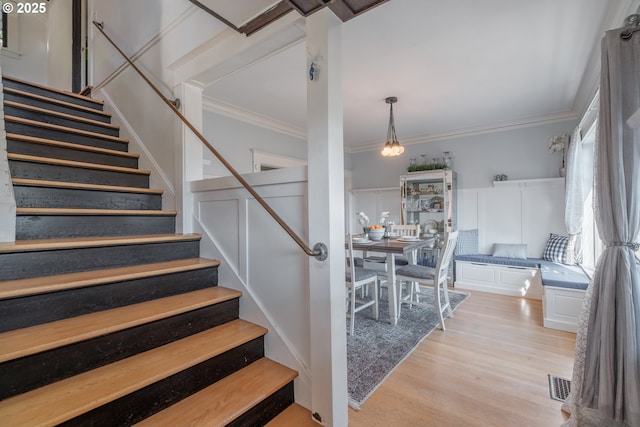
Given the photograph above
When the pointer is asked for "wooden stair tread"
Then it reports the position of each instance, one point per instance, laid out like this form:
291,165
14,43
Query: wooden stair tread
294,416
34,285
113,212
55,403
88,242
225,400
82,186
72,163
70,145
36,339
62,115
52,89
55,101
65,129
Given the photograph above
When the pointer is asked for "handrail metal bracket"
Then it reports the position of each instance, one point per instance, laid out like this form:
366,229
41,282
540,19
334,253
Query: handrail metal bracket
321,250
176,103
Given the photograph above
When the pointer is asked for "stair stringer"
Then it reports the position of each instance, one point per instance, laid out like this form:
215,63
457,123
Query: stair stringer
7,197
278,346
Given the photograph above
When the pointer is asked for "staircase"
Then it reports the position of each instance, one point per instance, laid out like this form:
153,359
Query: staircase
109,318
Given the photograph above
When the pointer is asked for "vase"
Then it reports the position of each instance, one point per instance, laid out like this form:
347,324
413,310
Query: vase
563,171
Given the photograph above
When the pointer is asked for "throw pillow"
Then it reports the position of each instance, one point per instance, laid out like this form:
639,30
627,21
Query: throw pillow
556,249
467,242
510,250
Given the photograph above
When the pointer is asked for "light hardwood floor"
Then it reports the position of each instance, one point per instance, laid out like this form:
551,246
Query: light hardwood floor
488,369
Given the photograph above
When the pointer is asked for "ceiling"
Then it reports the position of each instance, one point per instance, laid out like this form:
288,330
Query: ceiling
455,66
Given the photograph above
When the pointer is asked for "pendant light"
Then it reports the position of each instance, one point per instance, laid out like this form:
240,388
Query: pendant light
392,147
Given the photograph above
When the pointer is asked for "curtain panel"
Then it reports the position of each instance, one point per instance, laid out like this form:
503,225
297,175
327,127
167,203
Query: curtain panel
606,377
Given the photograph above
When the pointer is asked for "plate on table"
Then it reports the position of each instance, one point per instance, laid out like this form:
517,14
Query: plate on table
360,240
409,239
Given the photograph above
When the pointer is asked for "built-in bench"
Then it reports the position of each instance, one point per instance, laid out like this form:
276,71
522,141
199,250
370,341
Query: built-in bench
561,287
564,289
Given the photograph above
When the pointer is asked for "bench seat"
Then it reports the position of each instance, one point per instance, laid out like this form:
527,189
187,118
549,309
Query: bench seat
561,287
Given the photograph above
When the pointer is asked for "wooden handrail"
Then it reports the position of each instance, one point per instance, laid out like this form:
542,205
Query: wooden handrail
319,250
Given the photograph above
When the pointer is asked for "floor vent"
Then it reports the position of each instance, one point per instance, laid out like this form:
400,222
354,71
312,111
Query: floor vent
559,388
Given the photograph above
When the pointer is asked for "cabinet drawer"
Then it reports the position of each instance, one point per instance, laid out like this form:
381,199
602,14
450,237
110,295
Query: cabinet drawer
518,277
478,273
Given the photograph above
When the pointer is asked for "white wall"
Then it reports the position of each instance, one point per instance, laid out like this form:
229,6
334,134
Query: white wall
261,260
26,57
519,153
235,140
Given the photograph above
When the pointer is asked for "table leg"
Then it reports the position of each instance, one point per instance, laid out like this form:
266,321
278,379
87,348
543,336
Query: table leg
391,288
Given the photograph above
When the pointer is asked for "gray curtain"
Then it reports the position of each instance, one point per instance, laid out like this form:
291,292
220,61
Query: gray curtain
606,379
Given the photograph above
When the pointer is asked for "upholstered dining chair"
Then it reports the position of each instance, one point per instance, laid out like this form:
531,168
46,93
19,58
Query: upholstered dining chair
437,278
358,278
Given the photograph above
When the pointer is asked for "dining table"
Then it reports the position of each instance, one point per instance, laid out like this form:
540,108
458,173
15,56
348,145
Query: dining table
393,247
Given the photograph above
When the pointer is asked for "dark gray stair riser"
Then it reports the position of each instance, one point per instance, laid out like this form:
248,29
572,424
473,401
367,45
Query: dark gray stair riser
65,136
53,119
64,153
51,94
28,196
27,373
19,265
37,309
143,403
29,227
52,172
266,410
23,99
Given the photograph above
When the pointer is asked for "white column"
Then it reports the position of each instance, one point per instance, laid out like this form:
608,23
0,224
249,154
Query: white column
326,219
7,199
189,154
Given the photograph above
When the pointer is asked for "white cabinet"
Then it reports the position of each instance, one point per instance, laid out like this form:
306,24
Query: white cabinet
499,279
429,199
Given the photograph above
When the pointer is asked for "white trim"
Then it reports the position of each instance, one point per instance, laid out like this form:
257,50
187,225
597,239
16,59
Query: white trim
498,127
222,108
274,160
527,182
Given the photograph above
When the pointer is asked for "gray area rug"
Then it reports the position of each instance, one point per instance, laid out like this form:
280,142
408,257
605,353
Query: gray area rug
377,347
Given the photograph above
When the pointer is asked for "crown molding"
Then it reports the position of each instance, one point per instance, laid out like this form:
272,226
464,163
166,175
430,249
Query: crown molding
225,109
469,132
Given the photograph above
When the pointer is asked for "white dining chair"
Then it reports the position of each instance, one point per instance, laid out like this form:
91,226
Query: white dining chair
358,278
437,278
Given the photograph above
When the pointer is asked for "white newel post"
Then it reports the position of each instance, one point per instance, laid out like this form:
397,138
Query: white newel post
7,199
189,154
326,219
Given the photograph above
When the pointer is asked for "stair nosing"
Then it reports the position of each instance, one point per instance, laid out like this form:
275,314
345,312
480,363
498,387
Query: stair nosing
87,242
67,129
82,186
52,89
70,145
73,163
60,282
214,403
39,338
89,212
107,383
62,115
55,101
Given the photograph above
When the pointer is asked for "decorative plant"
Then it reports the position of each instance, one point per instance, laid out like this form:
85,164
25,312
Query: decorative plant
364,221
426,167
559,143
